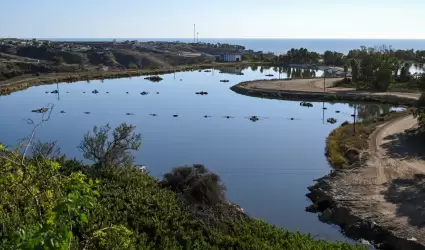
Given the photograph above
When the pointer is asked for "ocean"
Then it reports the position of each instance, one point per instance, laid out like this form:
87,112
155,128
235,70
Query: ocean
279,46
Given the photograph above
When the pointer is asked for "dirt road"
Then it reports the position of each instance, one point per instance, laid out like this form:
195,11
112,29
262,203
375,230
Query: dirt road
390,188
315,86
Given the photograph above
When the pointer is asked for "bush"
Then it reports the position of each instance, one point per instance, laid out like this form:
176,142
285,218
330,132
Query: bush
111,153
196,184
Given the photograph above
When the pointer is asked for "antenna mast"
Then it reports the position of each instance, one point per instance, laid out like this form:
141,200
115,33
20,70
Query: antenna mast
194,33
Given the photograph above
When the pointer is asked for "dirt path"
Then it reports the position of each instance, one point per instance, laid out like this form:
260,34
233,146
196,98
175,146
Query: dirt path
390,188
315,86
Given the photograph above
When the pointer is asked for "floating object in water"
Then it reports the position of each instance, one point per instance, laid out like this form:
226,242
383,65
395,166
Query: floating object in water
144,93
153,114
54,92
337,111
84,92
306,104
95,91
129,114
107,92
269,75
207,116
40,110
331,120
207,70
202,93
47,92
67,92
181,79
199,70
240,74
254,118
292,118
175,115
224,80
198,93
86,113
228,117
62,112
353,115
154,78
157,93
126,93
325,108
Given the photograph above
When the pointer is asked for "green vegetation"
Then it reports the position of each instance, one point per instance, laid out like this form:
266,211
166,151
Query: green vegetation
50,202
344,144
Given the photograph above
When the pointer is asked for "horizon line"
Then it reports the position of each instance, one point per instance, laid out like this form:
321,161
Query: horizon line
241,38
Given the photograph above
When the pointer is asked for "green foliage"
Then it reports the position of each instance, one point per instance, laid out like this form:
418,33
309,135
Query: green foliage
41,208
63,204
197,184
115,152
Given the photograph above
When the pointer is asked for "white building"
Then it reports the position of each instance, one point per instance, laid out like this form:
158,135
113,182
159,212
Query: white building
229,58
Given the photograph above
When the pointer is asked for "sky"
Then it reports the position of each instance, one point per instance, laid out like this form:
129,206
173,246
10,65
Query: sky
400,19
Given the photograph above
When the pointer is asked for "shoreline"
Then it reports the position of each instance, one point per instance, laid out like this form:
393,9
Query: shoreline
310,90
21,83
363,199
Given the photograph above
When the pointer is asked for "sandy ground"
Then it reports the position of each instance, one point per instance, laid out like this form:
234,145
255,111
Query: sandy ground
315,85
390,188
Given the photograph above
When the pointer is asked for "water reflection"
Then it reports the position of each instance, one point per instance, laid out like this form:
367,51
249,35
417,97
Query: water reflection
366,112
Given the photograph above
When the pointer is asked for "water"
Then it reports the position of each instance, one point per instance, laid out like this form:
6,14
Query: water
280,46
266,165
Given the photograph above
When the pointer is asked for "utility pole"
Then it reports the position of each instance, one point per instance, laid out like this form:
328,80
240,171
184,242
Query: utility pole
324,82
355,114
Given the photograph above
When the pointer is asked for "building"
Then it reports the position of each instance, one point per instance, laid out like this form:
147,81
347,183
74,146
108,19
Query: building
229,58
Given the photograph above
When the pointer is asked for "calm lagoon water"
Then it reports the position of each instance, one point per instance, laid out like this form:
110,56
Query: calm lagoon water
266,165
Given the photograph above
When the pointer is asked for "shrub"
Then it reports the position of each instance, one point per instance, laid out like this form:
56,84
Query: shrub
197,184
97,148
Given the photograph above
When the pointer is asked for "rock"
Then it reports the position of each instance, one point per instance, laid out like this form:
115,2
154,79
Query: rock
352,155
331,120
312,208
40,110
254,118
154,78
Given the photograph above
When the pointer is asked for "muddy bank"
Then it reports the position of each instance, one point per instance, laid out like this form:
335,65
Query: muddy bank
331,204
315,95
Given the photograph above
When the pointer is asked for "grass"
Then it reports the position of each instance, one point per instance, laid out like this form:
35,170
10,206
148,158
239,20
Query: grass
343,138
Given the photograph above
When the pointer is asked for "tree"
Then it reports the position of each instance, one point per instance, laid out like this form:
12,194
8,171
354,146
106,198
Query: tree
354,69
106,153
196,183
345,71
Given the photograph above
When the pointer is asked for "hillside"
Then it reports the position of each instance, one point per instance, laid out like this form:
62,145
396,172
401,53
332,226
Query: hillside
50,202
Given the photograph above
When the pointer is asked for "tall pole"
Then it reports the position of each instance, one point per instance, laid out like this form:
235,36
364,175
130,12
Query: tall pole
194,33
355,114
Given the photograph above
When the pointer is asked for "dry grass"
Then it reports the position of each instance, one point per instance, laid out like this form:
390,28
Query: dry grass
343,138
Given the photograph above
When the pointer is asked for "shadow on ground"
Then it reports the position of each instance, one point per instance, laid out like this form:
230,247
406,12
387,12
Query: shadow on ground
408,145
409,196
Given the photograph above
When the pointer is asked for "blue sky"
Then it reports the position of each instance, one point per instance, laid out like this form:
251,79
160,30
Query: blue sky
214,19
